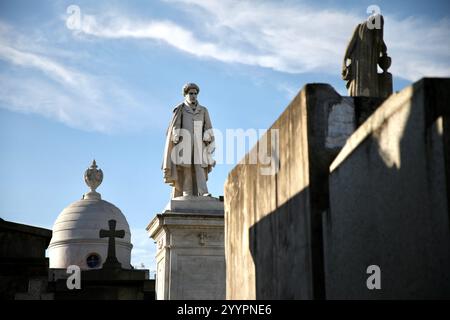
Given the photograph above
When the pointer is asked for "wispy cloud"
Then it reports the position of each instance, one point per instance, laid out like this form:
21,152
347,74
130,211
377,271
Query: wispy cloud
48,66
287,37
289,90
170,33
46,86
419,47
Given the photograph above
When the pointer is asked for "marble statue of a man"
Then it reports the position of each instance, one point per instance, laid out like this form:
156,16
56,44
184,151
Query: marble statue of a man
189,145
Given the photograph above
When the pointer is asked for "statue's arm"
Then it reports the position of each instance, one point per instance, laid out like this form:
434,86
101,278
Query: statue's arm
350,47
383,48
207,128
176,124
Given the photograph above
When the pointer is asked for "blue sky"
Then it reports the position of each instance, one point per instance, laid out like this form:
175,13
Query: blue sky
105,89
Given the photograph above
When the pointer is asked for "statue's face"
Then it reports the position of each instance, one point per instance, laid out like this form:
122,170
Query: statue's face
191,96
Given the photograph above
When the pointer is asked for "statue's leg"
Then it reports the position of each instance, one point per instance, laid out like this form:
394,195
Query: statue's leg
201,179
177,190
187,183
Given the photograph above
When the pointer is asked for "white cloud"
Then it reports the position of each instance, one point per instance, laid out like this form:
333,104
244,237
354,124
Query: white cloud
418,47
75,98
288,37
170,33
48,66
289,90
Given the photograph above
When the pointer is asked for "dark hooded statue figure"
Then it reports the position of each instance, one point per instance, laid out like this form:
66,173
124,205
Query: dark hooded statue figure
365,51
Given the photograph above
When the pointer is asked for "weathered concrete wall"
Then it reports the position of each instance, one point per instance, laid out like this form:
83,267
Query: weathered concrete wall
389,200
259,260
273,226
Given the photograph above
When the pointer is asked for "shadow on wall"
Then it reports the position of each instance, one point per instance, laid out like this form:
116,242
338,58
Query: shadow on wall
280,246
389,202
388,206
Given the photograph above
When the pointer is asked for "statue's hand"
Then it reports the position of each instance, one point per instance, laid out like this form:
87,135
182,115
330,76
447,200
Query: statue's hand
166,173
175,139
346,72
345,68
207,138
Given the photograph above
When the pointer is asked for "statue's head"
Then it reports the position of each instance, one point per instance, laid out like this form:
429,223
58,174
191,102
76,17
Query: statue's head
375,22
189,86
190,92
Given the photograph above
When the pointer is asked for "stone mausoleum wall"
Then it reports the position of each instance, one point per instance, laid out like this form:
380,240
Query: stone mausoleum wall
302,233
389,200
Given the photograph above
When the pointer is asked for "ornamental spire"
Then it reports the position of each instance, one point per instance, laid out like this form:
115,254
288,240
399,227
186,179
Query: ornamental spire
93,178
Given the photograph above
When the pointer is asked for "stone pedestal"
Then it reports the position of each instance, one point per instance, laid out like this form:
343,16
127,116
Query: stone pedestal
190,254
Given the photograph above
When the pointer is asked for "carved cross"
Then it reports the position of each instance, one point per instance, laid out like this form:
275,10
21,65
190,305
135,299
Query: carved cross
112,234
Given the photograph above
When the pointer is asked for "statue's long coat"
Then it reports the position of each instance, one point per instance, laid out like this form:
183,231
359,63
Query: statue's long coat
200,114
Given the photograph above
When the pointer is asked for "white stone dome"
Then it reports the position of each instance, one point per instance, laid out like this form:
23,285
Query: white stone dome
76,239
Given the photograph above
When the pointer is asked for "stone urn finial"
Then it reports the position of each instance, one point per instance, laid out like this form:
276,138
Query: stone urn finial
93,178
384,62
